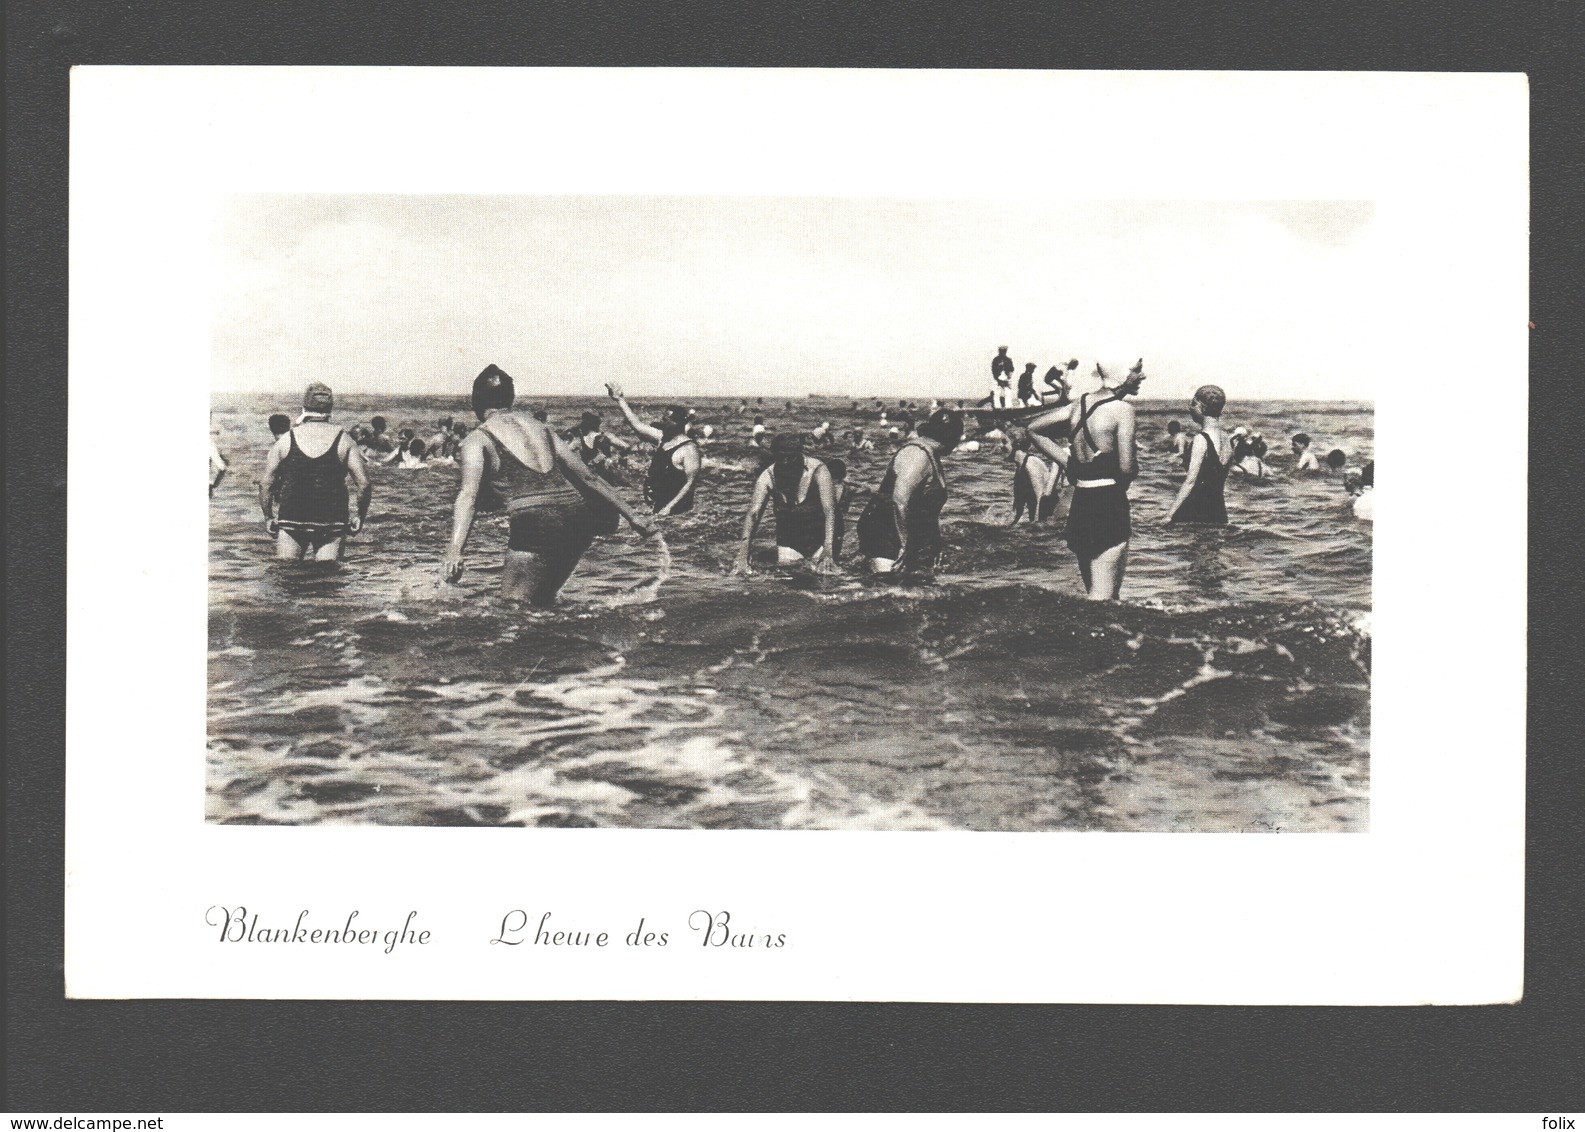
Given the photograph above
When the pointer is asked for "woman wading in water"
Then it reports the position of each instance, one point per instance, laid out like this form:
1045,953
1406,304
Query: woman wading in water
900,529
1103,460
675,466
552,499
1200,499
803,494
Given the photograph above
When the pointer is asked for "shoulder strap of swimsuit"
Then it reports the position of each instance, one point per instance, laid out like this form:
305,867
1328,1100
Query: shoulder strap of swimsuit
513,445
935,460
292,433
1086,413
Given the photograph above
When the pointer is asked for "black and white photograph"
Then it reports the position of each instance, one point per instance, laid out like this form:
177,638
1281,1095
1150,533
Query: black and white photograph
811,530
792,512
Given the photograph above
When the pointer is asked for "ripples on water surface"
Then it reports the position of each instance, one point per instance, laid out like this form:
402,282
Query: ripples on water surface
1230,690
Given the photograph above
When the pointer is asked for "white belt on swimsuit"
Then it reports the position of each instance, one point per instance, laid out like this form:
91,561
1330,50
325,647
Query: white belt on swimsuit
1094,483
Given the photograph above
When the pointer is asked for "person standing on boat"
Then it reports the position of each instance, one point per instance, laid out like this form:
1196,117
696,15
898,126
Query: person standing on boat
1027,395
554,502
675,466
900,529
1210,454
304,490
1103,461
1001,380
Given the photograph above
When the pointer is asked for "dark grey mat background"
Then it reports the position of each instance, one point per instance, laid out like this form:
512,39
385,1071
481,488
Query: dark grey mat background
89,1057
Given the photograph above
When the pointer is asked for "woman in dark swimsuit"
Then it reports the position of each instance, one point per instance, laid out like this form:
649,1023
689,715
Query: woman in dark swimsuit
1210,453
516,464
675,466
304,490
803,495
900,529
1103,460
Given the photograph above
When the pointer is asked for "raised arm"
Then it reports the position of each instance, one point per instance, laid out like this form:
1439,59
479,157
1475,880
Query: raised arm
472,461
358,469
572,465
647,431
756,509
692,464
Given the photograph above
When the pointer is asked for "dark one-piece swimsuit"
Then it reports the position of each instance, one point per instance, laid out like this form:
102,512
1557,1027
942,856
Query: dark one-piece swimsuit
877,527
546,514
665,480
1205,503
313,492
1098,515
801,523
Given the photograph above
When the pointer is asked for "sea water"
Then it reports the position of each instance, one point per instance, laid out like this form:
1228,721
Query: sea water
1228,691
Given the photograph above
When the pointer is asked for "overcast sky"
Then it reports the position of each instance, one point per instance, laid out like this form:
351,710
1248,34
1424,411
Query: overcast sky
768,296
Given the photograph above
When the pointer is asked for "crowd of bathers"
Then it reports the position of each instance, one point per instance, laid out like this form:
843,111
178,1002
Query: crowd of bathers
562,489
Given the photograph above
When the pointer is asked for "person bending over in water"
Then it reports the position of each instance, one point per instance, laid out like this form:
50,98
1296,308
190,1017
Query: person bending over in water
1200,499
413,455
674,468
1336,459
1103,461
803,495
1037,474
1303,459
516,464
304,490
900,529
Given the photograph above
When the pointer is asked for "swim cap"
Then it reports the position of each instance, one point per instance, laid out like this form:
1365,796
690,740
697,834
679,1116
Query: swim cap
493,389
786,445
317,398
589,422
944,426
1211,399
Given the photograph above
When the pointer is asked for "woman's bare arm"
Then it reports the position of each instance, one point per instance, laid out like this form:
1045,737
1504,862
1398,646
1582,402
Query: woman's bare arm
1196,458
572,464
756,508
647,431
472,462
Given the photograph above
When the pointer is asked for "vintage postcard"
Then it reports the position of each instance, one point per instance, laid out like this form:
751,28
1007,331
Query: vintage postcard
795,535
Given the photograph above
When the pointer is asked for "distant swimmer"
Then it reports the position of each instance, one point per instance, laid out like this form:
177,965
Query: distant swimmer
1001,380
900,529
1177,442
674,468
412,456
1200,499
217,459
598,448
1037,475
1365,500
756,434
820,435
1103,461
859,441
379,439
555,506
304,490
1249,450
1336,459
803,497
1303,459
439,442
1027,396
